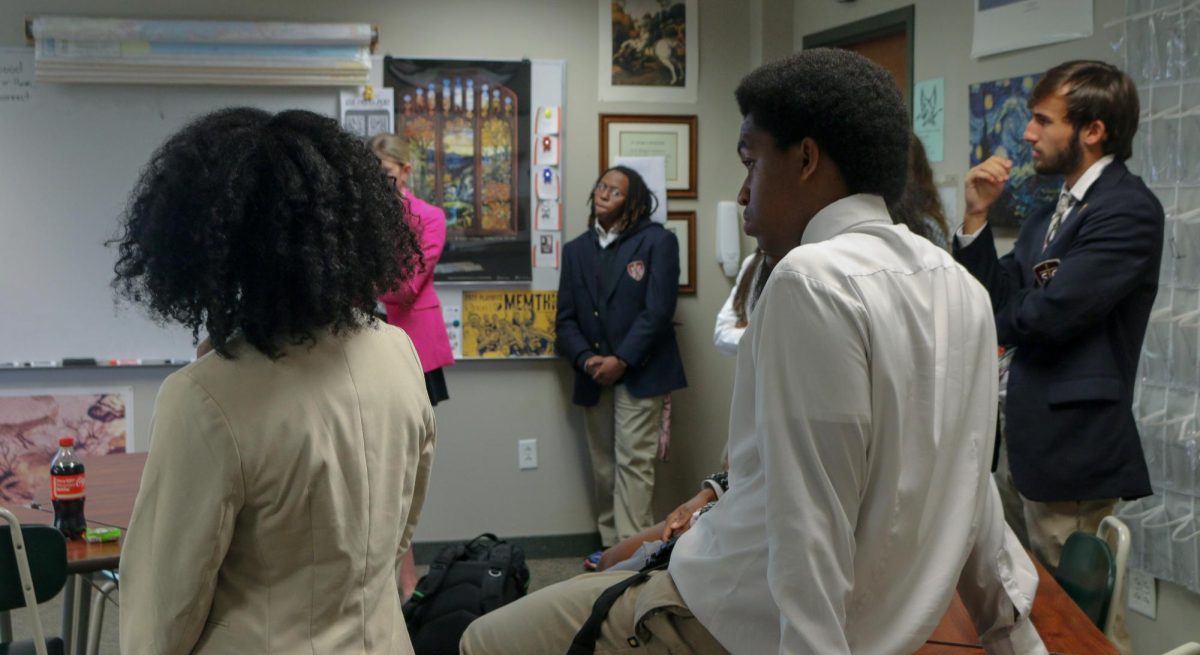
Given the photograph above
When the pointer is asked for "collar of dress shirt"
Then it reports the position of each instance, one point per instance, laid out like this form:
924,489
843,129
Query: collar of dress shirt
1089,176
606,237
843,214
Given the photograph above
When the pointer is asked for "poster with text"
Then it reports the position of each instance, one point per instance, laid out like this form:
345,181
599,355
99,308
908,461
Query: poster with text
466,126
999,114
1005,25
508,323
32,420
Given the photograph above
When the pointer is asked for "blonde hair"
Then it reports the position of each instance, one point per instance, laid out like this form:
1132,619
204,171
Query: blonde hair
389,147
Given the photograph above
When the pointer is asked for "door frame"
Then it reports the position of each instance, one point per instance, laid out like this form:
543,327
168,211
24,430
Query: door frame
885,24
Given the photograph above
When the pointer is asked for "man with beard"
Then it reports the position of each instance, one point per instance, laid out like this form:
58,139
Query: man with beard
1073,297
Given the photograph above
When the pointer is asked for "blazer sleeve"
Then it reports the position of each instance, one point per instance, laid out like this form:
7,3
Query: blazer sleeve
430,225
424,466
662,290
570,342
1108,258
183,520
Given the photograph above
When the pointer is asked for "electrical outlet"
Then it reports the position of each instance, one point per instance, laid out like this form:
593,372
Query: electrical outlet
527,454
1142,598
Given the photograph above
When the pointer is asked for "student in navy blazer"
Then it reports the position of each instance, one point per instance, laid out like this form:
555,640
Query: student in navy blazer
616,304
1074,297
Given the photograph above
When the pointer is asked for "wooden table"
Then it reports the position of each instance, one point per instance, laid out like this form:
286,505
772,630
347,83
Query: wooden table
112,485
1063,626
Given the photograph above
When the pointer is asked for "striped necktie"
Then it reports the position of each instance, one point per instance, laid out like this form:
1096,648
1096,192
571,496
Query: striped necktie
1065,200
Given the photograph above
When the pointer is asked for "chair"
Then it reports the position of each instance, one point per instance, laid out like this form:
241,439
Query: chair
1092,576
33,569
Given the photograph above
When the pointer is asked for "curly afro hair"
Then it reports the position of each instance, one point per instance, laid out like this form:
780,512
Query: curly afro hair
849,105
265,227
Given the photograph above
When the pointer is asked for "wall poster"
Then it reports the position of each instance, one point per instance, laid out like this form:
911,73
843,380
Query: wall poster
999,114
508,323
32,420
467,127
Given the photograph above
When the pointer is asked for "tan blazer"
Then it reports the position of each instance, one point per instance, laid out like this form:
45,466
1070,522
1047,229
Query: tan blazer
277,499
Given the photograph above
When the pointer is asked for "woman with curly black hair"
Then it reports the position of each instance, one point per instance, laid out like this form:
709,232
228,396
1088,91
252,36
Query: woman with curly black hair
287,468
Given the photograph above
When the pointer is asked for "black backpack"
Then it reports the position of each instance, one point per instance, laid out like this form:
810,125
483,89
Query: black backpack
465,581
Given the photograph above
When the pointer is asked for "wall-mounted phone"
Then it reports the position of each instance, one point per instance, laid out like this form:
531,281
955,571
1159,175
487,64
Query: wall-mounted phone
729,237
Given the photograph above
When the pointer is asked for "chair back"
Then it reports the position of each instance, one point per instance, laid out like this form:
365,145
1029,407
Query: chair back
1087,572
46,551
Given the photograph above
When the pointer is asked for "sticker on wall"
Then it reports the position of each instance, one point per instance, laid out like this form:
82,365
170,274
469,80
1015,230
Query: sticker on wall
547,183
546,150
549,215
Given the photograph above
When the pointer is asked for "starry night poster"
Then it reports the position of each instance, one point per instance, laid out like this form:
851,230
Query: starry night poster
999,113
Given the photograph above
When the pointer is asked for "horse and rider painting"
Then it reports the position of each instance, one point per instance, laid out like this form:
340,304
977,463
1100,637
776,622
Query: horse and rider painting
648,47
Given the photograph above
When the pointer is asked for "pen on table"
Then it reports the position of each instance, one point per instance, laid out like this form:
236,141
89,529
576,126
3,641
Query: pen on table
43,363
10,364
79,361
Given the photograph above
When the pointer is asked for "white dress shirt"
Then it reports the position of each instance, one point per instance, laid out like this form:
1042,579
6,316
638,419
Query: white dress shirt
860,443
726,333
1080,189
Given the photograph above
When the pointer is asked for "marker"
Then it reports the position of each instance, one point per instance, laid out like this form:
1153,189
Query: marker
124,362
10,364
154,362
79,361
44,363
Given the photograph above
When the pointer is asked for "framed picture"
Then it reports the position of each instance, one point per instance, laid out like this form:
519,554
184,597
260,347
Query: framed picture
999,111
649,50
638,135
683,226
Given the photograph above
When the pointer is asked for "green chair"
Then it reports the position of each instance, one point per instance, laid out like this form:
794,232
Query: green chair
1092,575
33,569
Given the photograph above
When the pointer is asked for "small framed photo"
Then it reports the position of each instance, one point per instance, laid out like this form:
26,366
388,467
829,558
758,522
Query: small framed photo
637,135
683,226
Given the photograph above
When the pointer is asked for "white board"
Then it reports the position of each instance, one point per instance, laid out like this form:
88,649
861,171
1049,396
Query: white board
69,157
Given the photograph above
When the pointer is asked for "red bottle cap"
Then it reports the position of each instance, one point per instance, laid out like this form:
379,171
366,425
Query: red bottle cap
66,442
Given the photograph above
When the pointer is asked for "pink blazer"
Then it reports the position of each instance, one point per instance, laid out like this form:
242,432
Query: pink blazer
414,306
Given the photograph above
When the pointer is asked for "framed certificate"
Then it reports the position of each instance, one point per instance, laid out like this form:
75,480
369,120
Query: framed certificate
671,137
683,226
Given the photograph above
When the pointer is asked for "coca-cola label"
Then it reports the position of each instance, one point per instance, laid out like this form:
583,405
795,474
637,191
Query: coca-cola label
66,487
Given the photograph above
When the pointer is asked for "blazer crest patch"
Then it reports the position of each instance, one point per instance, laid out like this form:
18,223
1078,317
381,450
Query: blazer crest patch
636,270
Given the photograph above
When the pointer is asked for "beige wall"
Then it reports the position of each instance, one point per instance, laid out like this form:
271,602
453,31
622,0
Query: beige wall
942,49
476,484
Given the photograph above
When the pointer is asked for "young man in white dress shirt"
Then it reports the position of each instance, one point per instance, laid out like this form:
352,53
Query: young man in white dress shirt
861,429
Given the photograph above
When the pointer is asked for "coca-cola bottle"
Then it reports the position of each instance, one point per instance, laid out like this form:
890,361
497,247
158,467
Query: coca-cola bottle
67,490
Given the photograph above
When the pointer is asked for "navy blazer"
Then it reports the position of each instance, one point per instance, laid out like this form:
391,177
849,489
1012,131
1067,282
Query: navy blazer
633,321
1071,433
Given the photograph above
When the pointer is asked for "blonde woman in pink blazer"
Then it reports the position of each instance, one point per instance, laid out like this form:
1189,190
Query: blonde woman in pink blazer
414,306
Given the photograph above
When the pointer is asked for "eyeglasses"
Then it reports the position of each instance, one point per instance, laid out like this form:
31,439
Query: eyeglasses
613,192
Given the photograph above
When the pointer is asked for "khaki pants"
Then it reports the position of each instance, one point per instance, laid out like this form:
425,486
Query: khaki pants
650,618
1010,499
622,436
1050,524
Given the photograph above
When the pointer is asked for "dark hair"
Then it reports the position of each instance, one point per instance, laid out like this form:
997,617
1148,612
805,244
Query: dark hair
920,203
270,227
849,105
640,201
1095,91
741,297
